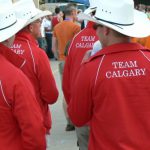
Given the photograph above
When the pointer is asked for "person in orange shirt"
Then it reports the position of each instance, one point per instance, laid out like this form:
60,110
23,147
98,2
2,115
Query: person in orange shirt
62,34
143,41
69,28
147,44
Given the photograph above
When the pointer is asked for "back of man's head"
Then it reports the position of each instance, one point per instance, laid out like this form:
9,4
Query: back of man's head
57,10
69,9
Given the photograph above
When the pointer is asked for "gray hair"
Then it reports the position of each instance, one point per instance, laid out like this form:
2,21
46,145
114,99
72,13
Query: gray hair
68,10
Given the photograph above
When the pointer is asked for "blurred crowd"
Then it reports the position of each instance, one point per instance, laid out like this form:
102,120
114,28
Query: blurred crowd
48,24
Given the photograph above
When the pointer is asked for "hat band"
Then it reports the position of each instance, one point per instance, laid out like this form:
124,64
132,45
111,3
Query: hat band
8,26
93,8
32,17
114,23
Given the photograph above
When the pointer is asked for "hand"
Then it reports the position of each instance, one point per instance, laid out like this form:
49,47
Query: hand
86,56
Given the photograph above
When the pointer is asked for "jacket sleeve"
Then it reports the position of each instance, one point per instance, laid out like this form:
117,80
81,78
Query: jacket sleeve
48,89
28,115
80,106
66,80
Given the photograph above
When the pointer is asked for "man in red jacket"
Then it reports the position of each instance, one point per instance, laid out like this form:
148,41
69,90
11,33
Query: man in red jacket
37,67
21,121
80,44
112,88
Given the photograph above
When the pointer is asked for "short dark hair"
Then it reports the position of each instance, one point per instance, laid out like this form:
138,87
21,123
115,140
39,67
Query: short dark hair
57,10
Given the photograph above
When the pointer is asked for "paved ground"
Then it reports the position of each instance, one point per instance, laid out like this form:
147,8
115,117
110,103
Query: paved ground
60,139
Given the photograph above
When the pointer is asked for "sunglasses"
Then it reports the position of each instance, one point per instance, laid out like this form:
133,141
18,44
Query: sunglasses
95,26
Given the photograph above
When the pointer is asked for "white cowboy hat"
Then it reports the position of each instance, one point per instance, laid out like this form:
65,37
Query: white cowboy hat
29,11
92,7
9,23
120,16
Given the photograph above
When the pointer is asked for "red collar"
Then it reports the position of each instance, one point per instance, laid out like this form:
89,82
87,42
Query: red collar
116,48
27,36
13,58
90,24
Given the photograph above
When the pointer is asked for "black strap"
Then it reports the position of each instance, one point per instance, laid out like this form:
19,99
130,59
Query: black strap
114,23
8,26
93,8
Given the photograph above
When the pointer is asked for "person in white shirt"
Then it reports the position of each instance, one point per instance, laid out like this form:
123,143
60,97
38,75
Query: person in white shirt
41,40
48,35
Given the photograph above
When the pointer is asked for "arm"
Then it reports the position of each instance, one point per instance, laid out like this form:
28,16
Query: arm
48,89
81,102
28,115
54,43
66,74
55,46
86,56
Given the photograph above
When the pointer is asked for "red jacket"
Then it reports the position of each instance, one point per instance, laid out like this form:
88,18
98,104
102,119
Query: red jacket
81,43
21,121
37,69
112,91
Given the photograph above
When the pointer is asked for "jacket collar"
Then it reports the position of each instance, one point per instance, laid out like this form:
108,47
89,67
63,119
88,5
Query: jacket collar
27,36
90,24
13,58
121,47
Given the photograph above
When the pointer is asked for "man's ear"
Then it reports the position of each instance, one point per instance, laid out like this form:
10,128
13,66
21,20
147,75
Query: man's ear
106,30
5,42
30,27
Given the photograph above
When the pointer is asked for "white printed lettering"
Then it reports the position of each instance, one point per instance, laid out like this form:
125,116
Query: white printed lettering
108,74
84,45
126,73
126,64
143,71
87,38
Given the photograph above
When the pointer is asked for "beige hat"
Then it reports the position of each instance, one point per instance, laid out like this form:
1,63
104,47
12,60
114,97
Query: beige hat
29,11
9,22
120,16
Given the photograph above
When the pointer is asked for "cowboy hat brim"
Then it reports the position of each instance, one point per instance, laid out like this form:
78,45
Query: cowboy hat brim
140,28
39,15
12,30
89,10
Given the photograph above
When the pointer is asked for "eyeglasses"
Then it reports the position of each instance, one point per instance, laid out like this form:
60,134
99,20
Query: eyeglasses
95,26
